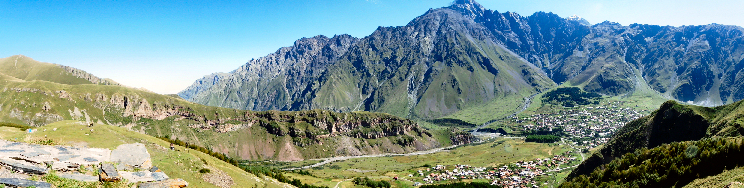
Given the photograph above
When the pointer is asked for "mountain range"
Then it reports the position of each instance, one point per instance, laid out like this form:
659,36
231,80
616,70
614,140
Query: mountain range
452,61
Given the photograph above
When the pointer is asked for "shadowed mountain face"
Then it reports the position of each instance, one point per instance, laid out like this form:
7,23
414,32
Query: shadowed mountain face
457,57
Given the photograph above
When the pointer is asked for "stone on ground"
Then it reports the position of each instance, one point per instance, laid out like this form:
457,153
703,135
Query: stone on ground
23,166
143,176
79,177
109,173
171,183
132,155
17,182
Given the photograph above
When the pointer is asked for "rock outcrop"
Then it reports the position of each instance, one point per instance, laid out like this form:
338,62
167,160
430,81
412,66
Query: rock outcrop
87,76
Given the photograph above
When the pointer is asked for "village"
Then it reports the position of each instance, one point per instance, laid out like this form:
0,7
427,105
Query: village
518,174
581,128
587,126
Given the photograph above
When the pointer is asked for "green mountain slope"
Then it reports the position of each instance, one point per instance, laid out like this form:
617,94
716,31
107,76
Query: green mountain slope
672,123
25,68
270,135
668,165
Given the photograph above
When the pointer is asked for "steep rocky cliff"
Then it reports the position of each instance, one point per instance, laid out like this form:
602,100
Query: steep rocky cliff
451,58
438,64
273,82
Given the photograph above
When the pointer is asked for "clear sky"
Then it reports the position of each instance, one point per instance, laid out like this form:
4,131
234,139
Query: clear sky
164,46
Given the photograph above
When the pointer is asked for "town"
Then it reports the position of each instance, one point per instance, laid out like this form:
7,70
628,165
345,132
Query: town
581,128
518,174
587,126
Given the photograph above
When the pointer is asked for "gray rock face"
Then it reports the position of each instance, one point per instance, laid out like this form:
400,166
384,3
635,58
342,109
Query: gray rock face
392,69
132,156
286,72
17,182
438,64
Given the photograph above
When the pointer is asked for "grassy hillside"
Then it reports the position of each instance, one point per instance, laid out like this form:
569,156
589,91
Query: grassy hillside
28,69
672,122
249,135
180,163
669,165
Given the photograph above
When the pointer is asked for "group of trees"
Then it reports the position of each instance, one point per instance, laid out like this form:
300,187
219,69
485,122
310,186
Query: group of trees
257,170
19,126
371,183
570,97
669,165
542,138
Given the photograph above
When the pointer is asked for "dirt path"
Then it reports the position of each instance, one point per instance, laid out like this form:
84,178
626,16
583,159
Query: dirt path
342,158
339,183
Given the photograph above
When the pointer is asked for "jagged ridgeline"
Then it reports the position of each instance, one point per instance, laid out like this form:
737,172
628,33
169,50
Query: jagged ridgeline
443,63
457,61
671,123
276,135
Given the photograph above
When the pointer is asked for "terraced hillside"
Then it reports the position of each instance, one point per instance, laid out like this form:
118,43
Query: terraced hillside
240,134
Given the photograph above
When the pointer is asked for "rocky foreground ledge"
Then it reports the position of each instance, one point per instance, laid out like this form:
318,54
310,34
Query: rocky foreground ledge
21,162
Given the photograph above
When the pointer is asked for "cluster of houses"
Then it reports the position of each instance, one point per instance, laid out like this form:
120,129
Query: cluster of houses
588,126
518,174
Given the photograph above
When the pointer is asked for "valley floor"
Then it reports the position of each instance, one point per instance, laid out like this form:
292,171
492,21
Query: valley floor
503,160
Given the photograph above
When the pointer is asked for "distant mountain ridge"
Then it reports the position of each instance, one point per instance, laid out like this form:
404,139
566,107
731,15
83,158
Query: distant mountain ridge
438,64
454,58
25,68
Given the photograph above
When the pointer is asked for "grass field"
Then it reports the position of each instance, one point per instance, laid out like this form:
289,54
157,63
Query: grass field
183,163
488,154
495,109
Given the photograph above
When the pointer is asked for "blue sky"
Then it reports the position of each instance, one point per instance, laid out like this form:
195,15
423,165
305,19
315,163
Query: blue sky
164,46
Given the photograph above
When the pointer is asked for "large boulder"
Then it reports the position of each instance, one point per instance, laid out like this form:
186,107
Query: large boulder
132,156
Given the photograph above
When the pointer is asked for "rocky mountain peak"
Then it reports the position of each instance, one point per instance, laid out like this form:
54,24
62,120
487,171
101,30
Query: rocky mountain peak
468,8
579,19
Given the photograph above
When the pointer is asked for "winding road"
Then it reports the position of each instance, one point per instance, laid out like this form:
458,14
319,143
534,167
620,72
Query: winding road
525,105
342,158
